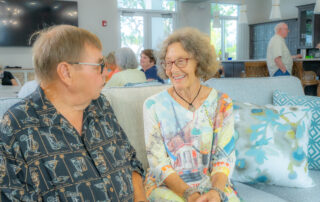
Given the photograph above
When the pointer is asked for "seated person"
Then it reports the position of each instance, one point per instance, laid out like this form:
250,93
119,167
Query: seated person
127,62
7,79
112,68
28,88
189,127
148,64
63,142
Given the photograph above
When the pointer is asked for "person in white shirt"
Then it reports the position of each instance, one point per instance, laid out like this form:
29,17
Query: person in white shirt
279,59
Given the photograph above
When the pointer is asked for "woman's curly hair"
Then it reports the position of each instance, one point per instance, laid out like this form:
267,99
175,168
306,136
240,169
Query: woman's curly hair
198,45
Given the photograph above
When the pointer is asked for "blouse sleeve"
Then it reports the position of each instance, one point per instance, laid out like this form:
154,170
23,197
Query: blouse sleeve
159,162
223,153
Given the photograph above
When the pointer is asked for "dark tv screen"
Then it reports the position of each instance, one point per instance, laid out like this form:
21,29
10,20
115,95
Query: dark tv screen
19,19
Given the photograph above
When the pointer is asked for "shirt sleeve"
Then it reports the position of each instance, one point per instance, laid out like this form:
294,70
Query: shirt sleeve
159,162
9,75
223,153
12,167
276,47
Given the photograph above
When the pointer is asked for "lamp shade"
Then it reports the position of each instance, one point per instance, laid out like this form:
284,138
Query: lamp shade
243,15
317,7
216,20
275,10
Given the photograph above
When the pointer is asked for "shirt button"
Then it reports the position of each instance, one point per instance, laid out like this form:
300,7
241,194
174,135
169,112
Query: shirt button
108,176
111,189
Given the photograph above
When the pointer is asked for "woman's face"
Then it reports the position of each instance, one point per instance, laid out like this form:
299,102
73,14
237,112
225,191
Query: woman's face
183,75
145,61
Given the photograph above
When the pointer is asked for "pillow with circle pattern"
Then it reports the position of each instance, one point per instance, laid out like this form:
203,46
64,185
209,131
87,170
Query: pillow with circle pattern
313,102
272,144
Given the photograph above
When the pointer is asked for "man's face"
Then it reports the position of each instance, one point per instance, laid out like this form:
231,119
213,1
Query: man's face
90,80
283,31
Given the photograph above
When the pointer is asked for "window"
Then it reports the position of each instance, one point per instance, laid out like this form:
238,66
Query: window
145,23
224,38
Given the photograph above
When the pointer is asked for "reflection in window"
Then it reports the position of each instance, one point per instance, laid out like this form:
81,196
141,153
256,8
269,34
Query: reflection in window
224,38
145,23
132,32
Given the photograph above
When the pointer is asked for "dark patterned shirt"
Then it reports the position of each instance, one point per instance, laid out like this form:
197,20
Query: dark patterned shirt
43,158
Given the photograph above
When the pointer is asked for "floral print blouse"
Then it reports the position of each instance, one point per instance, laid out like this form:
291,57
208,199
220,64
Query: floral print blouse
43,158
195,145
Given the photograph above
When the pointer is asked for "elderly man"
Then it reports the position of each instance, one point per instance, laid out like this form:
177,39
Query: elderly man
279,59
63,142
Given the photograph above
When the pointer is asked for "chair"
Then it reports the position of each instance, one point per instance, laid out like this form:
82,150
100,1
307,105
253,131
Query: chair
309,78
256,69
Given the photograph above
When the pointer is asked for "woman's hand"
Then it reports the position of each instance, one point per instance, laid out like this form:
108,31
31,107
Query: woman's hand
210,196
194,197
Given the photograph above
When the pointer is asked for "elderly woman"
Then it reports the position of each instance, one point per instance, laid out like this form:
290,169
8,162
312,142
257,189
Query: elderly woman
148,63
7,79
129,74
189,127
63,142
112,67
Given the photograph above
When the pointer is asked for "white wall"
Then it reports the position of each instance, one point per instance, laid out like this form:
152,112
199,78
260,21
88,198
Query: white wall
258,11
194,15
90,15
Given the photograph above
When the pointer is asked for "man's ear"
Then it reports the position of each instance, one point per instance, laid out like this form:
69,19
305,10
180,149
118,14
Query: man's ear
64,72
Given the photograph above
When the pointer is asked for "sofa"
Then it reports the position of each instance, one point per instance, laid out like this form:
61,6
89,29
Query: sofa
127,103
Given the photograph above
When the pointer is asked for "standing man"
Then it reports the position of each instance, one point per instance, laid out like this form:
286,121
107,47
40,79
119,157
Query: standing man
148,64
279,59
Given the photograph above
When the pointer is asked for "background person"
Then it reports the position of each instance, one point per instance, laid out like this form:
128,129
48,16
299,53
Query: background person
7,79
279,59
127,62
148,63
189,127
111,65
63,142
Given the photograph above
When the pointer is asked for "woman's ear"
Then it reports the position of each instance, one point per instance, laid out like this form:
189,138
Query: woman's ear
64,72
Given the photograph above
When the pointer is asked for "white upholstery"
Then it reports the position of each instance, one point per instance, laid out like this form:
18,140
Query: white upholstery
28,88
127,103
257,90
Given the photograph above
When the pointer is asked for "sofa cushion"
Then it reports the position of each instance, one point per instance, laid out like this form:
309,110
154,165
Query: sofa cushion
127,103
256,90
281,98
293,194
272,145
250,194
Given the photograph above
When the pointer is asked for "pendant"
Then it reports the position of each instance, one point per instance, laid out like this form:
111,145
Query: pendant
191,108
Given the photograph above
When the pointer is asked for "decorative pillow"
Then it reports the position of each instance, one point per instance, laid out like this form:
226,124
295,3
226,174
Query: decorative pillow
280,98
272,145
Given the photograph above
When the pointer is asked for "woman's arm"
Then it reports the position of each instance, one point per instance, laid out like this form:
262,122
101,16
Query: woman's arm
139,193
14,82
178,186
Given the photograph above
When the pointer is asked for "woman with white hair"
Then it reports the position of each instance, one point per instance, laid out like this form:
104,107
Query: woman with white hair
127,62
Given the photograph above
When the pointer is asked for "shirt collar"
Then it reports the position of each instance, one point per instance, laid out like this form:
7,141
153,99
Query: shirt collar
48,114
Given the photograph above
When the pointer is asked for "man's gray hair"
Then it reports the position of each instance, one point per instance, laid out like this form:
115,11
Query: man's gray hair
126,59
278,27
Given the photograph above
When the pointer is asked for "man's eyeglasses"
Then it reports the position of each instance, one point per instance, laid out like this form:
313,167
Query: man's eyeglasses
102,64
180,63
